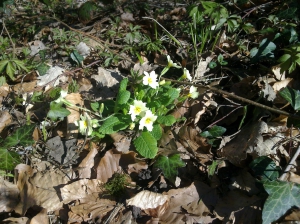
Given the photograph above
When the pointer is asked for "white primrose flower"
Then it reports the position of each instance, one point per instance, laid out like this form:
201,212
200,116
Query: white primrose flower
147,121
137,108
193,92
150,79
186,74
171,63
86,124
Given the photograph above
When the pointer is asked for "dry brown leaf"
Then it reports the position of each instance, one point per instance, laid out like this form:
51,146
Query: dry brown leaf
9,196
84,190
244,210
39,188
200,106
87,163
202,67
127,17
72,129
5,119
21,220
292,177
278,75
188,198
244,142
121,142
277,86
91,210
41,217
152,203
107,166
294,216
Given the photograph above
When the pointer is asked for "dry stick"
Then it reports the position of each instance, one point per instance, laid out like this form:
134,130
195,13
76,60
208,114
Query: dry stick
289,166
231,95
11,41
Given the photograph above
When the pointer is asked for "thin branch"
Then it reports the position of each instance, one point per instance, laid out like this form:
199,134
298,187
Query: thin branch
289,166
232,95
11,41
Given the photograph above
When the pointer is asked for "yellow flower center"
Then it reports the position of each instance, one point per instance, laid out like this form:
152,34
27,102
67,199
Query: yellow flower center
148,121
149,80
85,123
137,110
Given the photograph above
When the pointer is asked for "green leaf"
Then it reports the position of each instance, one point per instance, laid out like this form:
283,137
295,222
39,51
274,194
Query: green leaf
3,64
76,57
166,120
2,80
123,84
215,131
265,50
265,168
95,106
282,197
114,124
20,64
57,111
22,136
212,64
292,96
146,145
156,131
8,160
169,165
10,70
170,96
122,97
42,69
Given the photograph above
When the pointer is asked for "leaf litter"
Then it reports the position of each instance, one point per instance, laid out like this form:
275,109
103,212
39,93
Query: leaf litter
194,179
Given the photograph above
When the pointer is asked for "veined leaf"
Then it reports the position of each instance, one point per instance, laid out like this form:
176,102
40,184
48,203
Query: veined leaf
146,145
123,97
123,84
282,197
292,96
169,165
22,136
166,120
8,160
156,131
114,124
265,168
10,70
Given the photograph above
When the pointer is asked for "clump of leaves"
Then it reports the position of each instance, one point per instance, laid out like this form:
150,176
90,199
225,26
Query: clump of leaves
117,184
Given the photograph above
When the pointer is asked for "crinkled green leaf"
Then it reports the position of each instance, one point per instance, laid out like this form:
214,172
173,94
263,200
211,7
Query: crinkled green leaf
146,145
167,120
123,97
156,131
292,96
22,136
57,111
170,96
114,124
8,159
265,168
282,197
169,165
123,84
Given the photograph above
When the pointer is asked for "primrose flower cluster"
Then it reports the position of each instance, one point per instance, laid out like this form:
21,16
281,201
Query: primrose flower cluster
139,107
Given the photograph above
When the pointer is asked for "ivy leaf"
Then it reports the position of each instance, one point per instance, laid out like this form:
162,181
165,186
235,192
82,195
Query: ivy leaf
166,120
265,50
169,165
114,124
292,96
156,131
282,197
265,168
8,160
57,111
146,145
22,136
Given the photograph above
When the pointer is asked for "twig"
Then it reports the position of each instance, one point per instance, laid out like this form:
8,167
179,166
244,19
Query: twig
232,95
11,41
289,166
